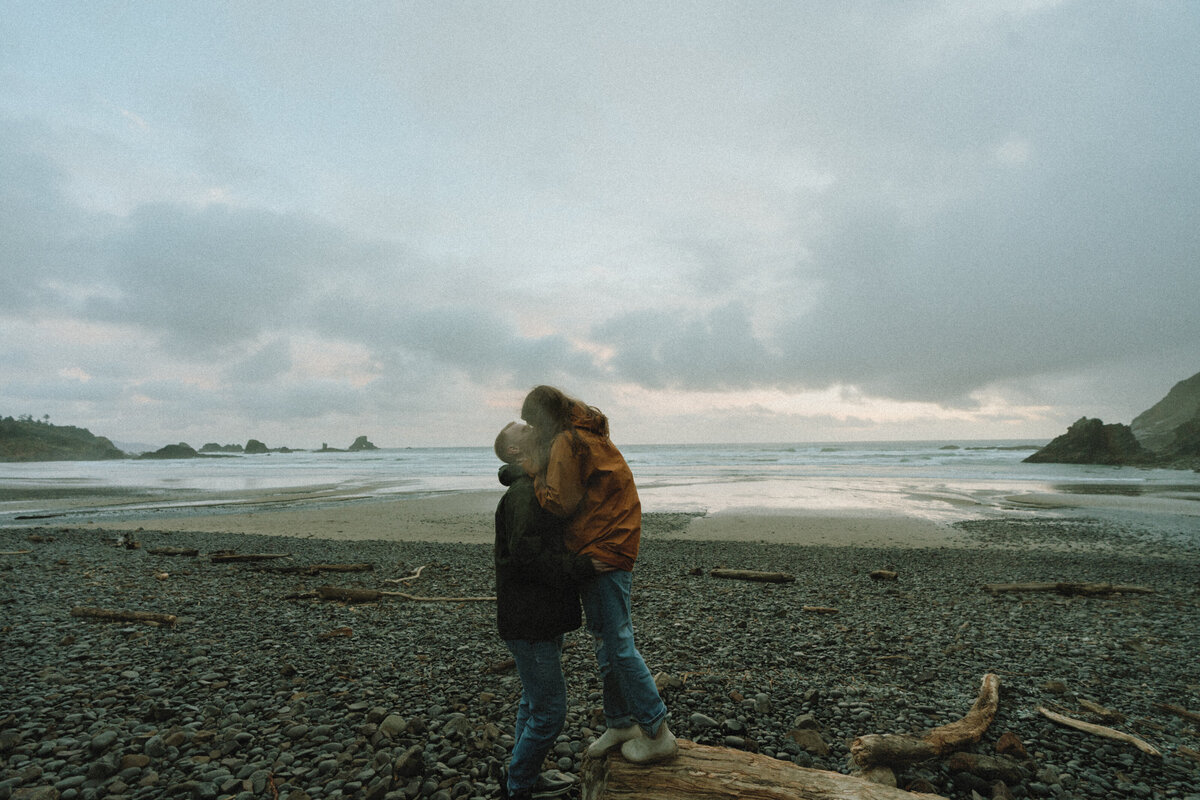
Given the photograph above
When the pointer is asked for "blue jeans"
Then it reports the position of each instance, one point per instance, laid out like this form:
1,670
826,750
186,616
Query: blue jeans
630,695
542,711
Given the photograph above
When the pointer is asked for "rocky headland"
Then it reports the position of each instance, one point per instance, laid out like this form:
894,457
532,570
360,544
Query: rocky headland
1165,435
28,439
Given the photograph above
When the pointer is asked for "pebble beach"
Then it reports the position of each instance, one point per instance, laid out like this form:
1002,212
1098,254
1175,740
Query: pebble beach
262,690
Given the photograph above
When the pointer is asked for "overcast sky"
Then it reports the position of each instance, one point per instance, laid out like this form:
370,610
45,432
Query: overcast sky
796,221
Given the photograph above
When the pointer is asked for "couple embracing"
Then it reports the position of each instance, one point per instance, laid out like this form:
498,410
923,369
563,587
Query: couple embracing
567,530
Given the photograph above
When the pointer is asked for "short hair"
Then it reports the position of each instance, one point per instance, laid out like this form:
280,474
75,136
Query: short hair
502,442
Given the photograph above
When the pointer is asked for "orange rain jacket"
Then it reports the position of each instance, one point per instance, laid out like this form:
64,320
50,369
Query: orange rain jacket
588,482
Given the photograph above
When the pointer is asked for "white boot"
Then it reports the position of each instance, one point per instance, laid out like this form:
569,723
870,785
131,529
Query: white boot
644,750
612,738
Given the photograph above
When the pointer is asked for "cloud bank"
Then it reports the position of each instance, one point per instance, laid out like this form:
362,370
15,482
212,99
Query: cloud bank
789,222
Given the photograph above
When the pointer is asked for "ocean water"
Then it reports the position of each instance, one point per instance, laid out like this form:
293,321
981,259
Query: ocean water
937,480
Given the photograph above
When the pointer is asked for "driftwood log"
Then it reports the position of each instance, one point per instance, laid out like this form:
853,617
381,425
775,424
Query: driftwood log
351,595
1099,730
224,558
819,610
715,773
752,575
316,569
173,551
1178,711
123,616
884,575
1068,588
900,749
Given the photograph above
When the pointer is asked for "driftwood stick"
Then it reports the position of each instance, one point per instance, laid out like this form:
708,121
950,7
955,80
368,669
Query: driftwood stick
1099,730
714,773
316,569
1068,588
752,575
900,749
173,551
14,552
1178,711
124,616
352,595
407,578
819,610
221,558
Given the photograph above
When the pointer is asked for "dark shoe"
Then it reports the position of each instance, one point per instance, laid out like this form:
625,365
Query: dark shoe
552,784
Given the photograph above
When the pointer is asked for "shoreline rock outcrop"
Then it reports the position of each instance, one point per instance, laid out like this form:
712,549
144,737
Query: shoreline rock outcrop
1090,441
1165,435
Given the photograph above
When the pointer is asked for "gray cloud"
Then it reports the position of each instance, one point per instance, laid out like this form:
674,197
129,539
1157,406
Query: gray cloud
914,202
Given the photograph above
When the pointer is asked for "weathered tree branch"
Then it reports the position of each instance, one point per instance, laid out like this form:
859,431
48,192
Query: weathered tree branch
900,749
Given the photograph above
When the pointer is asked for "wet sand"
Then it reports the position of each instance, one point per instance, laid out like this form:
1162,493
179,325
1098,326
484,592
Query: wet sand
467,517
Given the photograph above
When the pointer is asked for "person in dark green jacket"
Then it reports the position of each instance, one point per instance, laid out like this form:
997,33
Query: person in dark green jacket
536,603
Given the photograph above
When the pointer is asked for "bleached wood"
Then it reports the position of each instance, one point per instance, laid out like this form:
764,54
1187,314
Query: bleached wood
714,773
1100,730
900,749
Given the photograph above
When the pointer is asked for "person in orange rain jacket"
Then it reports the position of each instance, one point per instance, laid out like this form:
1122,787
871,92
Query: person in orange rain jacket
580,475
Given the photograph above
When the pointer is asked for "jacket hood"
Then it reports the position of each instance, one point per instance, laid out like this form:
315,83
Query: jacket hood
586,418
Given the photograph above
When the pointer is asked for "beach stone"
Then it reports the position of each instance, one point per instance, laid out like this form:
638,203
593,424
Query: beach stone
702,722
810,741
410,763
392,726
103,741
806,722
155,747
37,793
1010,744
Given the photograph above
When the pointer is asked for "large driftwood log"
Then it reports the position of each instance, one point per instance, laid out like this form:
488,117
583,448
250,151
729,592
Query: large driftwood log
714,773
123,616
753,575
1068,588
1099,730
900,749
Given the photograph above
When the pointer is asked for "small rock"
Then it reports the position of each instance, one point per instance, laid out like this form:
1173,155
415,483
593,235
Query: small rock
806,722
810,741
393,725
1010,744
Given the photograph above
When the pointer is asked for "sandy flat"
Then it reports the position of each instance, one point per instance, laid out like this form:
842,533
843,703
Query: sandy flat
331,513
468,517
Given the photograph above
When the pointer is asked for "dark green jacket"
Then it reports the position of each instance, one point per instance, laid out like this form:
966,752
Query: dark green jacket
536,596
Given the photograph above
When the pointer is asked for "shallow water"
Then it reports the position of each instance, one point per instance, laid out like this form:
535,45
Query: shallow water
940,481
